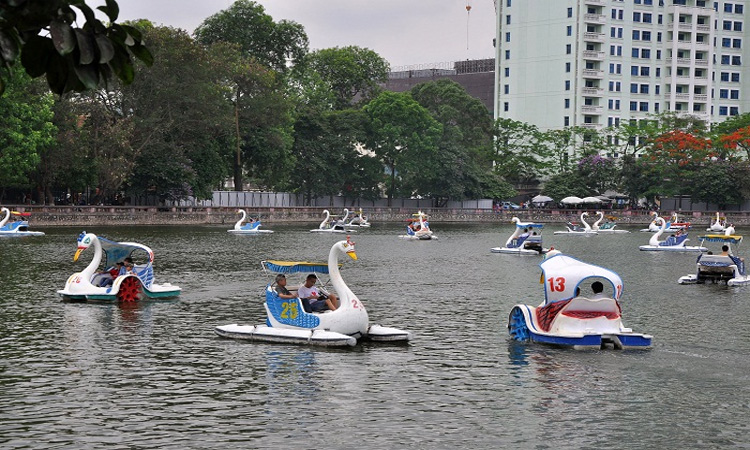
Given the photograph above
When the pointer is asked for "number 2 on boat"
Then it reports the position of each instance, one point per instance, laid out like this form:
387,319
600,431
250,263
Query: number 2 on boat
290,310
556,284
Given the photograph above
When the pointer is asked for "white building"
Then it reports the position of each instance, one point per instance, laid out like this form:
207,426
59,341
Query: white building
596,63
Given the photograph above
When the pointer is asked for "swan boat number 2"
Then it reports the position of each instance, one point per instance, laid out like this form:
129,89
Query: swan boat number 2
288,322
137,284
570,320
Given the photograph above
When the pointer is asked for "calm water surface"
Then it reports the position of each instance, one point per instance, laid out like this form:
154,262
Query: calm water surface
86,376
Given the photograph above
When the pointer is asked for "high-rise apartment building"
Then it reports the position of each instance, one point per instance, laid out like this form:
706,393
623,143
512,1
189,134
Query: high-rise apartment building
597,63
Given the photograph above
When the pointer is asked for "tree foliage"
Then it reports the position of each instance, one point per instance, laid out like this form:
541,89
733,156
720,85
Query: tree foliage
46,36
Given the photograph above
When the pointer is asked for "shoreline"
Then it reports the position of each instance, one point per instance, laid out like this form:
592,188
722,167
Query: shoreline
67,215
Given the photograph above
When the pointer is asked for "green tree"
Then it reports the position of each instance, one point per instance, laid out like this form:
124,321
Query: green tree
520,155
246,24
404,136
566,184
74,58
26,128
351,73
464,151
721,182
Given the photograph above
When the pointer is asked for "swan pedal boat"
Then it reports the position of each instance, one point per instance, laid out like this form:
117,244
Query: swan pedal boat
718,225
248,228
358,221
674,243
607,227
576,230
329,225
288,322
564,319
715,268
419,229
90,285
525,240
17,228
673,225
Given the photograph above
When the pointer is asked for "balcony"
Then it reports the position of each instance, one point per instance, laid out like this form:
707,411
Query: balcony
595,18
701,62
706,28
700,97
682,96
592,109
593,36
593,54
592,126
685,62
594,2
592,91
593,73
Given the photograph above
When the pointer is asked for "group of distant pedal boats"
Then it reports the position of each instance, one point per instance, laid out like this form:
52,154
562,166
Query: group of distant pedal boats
566,316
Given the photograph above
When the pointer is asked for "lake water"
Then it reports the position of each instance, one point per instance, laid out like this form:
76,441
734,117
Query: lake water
89,376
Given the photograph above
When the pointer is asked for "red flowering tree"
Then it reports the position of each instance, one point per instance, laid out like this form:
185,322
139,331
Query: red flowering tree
737,141
674,156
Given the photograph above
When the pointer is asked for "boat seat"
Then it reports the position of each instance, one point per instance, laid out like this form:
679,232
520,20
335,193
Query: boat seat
586,308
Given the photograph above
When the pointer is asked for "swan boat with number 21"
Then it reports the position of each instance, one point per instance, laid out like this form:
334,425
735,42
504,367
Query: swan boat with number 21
564,319
102,286
288,322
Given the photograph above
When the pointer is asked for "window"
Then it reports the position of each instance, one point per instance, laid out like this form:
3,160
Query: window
727,7
508,3
723,93
506,89
646,36
738,26
567,67
634,106
658,72
656,89
507,36
570,12
734,94
567,85
636,16
726,42
644,89
506,106
633,88
656,107
723,110
737,43
507,19
725,59
567,103
736,60
566,121
645,71
569,30
733,110
634,70
507,72
727,25
507,54
738,9
724,76
568,49
643,107
646,17
735,77
636,35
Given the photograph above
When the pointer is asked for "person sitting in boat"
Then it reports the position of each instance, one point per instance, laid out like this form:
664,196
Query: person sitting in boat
724,250
598,288
315,299
281,287
107,277
127,266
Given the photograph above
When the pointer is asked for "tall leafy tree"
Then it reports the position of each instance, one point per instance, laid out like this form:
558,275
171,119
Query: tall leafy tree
404,136
245,23
26,128
464,151
47,36
353,74
520,155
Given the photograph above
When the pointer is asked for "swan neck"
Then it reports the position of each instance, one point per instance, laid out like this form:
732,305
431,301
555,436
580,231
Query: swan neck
336,281
95,261
7,216
238,225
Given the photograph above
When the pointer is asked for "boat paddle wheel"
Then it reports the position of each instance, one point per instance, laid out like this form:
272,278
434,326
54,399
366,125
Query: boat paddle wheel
130,290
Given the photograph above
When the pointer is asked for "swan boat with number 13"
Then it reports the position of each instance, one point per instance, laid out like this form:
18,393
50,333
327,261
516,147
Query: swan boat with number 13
525,240
102,286
567,319
288,322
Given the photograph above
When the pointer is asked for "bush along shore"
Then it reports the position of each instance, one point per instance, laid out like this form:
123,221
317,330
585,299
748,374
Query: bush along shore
152,215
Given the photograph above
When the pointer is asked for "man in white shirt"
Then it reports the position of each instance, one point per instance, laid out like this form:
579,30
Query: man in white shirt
316,299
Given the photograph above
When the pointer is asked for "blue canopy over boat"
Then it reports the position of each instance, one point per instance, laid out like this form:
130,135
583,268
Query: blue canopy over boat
732,238
295,266
529,225
118,251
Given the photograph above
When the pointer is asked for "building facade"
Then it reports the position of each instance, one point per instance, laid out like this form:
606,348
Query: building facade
597,63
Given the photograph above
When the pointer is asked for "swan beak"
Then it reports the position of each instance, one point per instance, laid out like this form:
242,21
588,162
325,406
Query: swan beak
352,254
78,253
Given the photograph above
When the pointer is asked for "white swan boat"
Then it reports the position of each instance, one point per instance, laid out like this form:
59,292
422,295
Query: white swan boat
329,225
674,243
577,230
673,224
288,322
358,221
567,319
525,240
607,227
419,228
89,284
16,228
718,225
252,227
719,267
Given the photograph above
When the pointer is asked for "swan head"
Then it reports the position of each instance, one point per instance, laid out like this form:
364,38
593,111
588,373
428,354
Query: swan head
515,220
84,241
585,214
347,247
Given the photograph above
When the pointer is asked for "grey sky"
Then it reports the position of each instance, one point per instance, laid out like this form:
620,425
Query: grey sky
404,32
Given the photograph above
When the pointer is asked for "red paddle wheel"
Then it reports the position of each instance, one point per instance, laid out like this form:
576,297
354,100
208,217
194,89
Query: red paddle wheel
130,290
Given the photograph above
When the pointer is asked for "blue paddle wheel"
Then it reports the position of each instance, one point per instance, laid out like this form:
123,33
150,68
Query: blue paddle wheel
517,327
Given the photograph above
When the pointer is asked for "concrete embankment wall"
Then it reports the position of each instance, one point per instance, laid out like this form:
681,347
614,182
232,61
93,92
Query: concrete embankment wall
142,215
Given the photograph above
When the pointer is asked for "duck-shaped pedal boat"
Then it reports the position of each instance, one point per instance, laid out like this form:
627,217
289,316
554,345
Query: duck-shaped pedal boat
124,285
16,228
252,227
329,225
288,322
725,266
419,228
576,230
525,240
674,243
570,320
